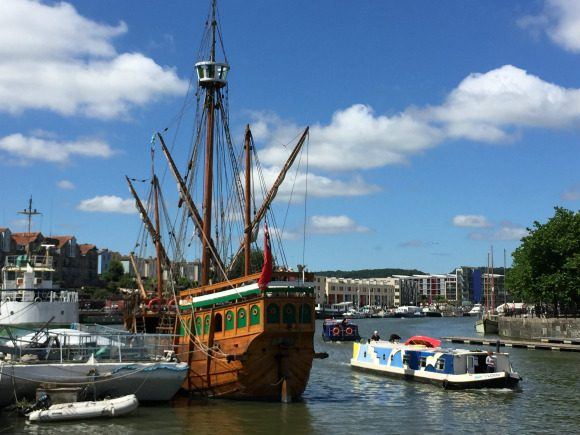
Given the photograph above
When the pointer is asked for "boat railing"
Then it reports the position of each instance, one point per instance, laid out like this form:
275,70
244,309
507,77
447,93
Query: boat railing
79,347
36,295
33,260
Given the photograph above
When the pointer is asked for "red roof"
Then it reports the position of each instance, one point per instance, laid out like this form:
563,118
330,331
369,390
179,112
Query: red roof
24,239
62,240
85,248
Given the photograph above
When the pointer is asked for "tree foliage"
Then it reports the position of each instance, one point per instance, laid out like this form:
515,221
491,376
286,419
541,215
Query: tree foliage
546,266
256,263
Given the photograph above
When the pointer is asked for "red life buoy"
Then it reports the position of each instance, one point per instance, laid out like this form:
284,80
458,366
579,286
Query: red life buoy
153,301
336,331
348,331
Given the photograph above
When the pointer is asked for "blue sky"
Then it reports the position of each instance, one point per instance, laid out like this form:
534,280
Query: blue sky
438,129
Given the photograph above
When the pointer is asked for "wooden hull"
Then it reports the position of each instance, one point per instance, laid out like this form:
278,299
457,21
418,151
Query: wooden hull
263,358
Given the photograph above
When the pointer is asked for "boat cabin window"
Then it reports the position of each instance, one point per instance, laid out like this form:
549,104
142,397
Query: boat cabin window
218,323
423,361
406,359
440,364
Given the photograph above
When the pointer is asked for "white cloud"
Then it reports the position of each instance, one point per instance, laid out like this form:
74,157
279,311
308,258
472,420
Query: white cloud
52,58
560,19
572,194
334,225
489,107
25,149
484,106
65,184
471,221
356,138
294,185
108,204
505,231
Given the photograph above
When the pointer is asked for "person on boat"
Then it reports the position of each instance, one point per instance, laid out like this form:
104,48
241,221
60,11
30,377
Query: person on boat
344,321
490,363
394,338
375,336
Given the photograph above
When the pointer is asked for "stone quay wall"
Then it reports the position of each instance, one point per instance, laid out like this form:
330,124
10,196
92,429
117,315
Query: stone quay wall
532,328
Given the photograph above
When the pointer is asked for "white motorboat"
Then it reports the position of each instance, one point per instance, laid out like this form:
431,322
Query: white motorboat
83,410
476,310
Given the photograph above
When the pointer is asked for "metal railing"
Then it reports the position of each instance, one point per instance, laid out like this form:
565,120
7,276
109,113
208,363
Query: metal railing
100,344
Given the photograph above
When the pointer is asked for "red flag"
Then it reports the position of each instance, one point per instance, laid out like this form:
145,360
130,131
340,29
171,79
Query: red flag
266,274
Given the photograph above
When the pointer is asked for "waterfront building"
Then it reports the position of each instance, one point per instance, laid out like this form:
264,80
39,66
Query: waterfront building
5,243
436,287
406,290
74,265
471,285
361,292
147,268
104,260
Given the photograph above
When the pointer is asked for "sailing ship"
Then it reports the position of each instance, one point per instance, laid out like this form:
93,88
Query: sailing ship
487,321
247,330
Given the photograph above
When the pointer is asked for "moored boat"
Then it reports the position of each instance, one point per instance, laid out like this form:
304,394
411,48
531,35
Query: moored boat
422,359
101,364
28,296
335,330
116,407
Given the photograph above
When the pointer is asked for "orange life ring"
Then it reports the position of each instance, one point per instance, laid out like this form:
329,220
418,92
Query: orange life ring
348,331
154,301
336,331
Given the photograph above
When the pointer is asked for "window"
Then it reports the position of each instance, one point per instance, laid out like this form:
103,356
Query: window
218,323
440,364
406,359
423,361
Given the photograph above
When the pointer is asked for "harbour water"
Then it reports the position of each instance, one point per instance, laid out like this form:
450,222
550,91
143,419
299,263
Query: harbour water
340,400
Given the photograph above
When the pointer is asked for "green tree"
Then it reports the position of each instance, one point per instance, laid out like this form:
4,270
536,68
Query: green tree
115,271
546,266
256,263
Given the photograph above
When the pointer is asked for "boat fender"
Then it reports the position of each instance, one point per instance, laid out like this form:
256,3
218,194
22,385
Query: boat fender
336,331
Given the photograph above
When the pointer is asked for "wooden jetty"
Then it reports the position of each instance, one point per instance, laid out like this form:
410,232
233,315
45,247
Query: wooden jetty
565,345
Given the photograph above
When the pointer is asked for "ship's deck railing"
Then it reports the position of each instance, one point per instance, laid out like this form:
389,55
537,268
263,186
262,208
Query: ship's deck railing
36,295
80,347
33,260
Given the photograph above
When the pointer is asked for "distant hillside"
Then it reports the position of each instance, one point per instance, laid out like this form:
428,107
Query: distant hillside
368,273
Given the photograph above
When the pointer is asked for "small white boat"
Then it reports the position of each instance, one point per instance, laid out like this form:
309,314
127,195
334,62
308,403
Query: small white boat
83,410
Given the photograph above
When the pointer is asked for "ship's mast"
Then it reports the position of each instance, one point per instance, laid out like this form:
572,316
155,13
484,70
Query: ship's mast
29,212
211,77
247,208
158,245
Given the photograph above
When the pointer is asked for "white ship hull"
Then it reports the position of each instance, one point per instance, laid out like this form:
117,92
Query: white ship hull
16,313
149,381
